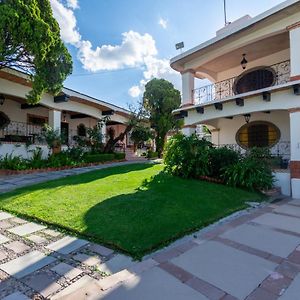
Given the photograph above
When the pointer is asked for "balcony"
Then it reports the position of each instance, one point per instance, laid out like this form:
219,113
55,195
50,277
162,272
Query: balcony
251,80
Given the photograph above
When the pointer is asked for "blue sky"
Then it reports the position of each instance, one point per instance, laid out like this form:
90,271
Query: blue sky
136,38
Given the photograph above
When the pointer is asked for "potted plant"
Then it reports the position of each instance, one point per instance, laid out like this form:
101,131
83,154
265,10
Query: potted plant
52,137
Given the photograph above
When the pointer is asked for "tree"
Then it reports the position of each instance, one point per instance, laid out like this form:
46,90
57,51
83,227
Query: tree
30,41
160,99
140,134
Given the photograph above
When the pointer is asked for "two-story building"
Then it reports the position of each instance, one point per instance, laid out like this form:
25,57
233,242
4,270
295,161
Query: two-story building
253,99
71,113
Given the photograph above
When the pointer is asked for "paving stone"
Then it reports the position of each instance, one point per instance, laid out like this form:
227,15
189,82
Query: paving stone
42,283
212,260
84,288
116,264
176,271
264,239
295,202
276,283
16,296
279,221
87,259
67,245
153,284
288,209
37,239
101,250
262,294
143,266
295,257
293,291
3,239
51,232
17,247
27,228
18,220
5,224
66,270
4,215
3,255
288,269
26,264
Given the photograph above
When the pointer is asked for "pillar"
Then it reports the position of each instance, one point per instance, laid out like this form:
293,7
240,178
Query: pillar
188,130
295,152
55,119
215,136
188,85
294,31
103,132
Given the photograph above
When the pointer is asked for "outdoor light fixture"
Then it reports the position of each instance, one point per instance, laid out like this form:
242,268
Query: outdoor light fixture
244,62
247,118
2,99
179,46
64,117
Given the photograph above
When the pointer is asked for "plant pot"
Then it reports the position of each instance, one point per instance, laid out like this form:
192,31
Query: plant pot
56,149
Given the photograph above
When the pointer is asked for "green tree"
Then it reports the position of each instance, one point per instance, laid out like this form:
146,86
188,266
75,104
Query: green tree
160,99
140,134
30,41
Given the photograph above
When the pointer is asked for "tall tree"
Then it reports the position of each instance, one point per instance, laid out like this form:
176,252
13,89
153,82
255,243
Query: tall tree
30,41
160,99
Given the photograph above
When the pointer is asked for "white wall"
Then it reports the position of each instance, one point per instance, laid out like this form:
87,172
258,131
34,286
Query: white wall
283,180
21,150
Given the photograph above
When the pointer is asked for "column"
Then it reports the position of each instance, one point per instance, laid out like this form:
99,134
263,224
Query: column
55,119
295,152
295,50
215,133
103,132
188,130
188,85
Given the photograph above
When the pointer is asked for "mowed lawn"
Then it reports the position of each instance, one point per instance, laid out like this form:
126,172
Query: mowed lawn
135,208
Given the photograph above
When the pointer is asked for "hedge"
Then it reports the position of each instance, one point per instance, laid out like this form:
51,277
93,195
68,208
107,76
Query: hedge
120,155
93,158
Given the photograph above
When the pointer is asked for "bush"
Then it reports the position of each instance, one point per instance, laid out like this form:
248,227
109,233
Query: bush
37,161
151,154
10,162
93,158
120,155
220,159
249,173
187,156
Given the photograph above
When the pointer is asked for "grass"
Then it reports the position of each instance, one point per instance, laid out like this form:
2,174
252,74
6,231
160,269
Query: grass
134,208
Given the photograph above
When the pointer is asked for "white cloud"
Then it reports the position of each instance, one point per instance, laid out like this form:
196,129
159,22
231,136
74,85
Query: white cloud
132,52
135,91
73,4
67,22
163,23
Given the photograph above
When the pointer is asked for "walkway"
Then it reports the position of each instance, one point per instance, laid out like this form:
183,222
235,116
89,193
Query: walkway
253,256
9,183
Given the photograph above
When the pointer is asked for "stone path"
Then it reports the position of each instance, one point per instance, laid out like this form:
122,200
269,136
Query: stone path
254,256
9,183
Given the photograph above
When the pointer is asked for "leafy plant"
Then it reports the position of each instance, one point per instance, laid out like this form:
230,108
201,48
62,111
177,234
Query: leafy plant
103,157
36,161
51,136
140,134
11,162
4,120
120,155
151,154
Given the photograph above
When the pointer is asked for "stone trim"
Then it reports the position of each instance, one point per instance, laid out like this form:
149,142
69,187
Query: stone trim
189,126
188,71
186,104
294,78
293,26
295,169
294,110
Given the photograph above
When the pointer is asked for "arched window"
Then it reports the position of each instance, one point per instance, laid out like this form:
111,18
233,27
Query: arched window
258,134
81,130
254,79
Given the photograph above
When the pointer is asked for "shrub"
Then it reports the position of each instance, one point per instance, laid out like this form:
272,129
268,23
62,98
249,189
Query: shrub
151,154
93,158
37,161
220,159
120,155
187,156
249,173
10,162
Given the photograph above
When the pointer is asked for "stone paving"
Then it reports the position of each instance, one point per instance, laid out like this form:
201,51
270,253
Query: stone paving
253,256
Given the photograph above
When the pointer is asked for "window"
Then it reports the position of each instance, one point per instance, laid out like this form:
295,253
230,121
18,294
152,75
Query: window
258,134
36,120
254,79
81,130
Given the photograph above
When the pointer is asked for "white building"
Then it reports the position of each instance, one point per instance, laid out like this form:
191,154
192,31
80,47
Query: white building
71,113
253,65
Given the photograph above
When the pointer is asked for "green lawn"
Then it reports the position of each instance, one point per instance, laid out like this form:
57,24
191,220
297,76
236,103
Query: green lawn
135,208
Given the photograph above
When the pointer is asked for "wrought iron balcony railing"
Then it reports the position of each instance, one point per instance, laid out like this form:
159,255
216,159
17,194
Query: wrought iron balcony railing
279,72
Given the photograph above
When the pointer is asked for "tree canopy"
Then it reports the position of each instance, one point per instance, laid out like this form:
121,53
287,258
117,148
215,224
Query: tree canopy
160,99
30,41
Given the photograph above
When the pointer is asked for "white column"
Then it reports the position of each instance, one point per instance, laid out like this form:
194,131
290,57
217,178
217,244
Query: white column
188,85
295,51
295,152
103,132
55,119
215,136
188,130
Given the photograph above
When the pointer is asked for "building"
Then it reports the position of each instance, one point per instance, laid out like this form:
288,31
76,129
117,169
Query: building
253,97
70,112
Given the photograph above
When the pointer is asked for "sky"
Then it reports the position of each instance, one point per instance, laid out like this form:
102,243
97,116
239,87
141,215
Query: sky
119,45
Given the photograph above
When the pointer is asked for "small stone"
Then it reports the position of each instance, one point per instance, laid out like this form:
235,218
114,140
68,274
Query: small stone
17,247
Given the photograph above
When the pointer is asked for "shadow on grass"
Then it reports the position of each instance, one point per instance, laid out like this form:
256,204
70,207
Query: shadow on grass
77,179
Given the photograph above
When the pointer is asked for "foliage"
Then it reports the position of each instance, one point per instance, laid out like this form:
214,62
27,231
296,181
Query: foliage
141,134
250,174
151,154
95,138
220,159
51,136
11,162
103,157
159,100
187,156
36,161
120,155
30,40
114,207
4,120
